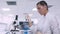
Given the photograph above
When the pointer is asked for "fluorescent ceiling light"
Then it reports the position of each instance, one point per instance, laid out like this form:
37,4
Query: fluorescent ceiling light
34,9
6,9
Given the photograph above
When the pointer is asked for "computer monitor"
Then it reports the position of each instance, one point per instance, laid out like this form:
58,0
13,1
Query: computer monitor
23,23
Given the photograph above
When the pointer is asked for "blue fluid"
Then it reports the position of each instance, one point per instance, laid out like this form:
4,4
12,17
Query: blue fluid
25,32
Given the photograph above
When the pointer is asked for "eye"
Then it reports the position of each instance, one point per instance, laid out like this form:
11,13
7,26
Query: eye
38,8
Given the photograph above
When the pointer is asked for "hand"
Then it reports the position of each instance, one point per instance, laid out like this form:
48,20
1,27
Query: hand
28,17
39,32
29,20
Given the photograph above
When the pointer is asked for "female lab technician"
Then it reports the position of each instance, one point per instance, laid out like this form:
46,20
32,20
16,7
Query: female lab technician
48,23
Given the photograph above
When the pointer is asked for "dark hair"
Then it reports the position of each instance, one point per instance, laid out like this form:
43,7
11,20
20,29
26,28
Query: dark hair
43,3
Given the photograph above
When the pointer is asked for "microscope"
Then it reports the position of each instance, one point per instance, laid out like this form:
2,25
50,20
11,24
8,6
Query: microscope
15,25
23,26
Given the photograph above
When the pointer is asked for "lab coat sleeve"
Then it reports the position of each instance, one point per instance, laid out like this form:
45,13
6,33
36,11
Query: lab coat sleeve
54,26
45,30
38,28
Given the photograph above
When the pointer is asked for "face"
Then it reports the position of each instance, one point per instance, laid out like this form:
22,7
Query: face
41,9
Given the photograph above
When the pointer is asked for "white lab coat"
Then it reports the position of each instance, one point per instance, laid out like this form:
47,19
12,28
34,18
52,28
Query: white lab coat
47,25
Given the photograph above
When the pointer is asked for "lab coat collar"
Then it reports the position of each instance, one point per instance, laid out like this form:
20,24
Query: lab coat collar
48,13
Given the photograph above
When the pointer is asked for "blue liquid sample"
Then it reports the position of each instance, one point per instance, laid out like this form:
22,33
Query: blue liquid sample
25,32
